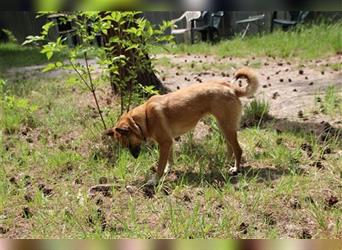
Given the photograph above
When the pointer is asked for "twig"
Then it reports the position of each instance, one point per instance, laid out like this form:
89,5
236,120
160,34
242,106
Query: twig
80,75
93,91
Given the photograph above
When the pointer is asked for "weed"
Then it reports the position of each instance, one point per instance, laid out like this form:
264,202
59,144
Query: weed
10,36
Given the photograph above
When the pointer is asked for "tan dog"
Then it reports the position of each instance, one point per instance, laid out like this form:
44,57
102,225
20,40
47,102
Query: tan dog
165,117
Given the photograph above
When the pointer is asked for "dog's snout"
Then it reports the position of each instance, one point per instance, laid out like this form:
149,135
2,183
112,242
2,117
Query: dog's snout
135,151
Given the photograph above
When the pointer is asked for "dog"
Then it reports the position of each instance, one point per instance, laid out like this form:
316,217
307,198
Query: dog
165,117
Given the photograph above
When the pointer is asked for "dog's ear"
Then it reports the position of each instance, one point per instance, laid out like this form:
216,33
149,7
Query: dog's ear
122,131
109,132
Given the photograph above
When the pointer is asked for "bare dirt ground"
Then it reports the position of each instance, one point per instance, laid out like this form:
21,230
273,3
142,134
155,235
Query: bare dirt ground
291,79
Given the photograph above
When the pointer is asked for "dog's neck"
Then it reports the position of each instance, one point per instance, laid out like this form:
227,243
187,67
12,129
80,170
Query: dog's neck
141,131
140,119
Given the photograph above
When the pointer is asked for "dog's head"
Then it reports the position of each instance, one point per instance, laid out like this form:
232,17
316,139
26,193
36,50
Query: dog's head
128,134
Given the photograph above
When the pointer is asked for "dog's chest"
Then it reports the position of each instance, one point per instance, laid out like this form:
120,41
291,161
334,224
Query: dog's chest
182,128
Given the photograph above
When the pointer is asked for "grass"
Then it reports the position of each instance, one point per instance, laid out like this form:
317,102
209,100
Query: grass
332,103
14,55
66,157
288,186
329,102
256,112
298,43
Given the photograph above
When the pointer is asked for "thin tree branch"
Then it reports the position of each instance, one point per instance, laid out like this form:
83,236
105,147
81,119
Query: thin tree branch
93,91
80,75
98,109
88,70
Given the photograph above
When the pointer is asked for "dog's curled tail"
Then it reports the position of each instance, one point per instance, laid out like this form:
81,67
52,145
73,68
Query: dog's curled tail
252,82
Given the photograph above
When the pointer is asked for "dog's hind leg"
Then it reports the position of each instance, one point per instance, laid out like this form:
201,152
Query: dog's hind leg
230,135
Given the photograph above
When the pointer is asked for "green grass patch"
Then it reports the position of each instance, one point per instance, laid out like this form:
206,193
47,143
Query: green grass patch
15,55
332,102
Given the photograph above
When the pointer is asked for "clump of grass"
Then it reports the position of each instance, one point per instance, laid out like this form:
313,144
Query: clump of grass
332,102
164,61
256,112
336,66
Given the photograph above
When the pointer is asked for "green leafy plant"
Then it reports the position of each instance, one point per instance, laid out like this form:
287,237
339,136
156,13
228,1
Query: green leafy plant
124,38
128,38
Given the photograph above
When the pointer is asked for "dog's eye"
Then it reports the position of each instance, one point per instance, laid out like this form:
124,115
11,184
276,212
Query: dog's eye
122,131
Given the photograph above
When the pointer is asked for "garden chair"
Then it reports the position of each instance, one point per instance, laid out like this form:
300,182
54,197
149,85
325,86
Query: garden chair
189,17
255,20
208,25
297,17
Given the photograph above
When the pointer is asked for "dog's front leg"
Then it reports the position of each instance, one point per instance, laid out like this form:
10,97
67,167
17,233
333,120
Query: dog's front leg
169,162
164,152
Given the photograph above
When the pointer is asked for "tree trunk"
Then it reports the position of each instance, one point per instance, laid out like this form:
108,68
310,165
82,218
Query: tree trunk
149,78
145,78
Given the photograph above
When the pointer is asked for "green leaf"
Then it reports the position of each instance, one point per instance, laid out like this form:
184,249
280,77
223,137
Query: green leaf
46,27
149,89
133,46
49,67
59,64
49,54
132,30
32,39
72,80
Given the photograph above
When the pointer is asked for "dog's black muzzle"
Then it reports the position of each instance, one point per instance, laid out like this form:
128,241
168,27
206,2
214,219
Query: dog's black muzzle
135,151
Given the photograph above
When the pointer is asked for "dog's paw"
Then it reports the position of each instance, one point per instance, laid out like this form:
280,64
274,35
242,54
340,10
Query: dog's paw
153,181
167,168
233,171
